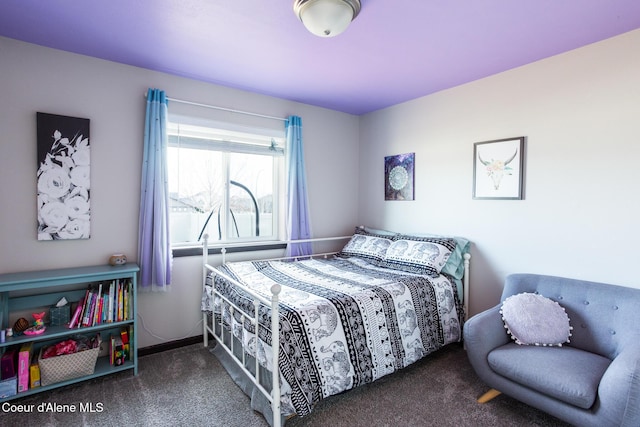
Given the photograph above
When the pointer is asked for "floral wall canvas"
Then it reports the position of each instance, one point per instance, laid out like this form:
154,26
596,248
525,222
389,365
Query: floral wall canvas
63,177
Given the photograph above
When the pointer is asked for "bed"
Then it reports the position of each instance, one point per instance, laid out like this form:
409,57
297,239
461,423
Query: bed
381,303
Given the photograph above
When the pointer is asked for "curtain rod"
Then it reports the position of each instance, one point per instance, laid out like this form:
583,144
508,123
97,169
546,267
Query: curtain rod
215,107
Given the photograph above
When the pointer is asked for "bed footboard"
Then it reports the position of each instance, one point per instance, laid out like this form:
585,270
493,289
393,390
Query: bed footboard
273,395
209,327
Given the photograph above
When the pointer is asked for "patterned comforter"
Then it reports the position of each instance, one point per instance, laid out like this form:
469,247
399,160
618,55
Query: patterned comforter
343,322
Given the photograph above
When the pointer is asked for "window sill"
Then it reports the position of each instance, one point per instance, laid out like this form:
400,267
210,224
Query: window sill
249,247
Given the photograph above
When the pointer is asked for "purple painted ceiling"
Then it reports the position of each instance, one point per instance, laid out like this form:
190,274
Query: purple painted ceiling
395,50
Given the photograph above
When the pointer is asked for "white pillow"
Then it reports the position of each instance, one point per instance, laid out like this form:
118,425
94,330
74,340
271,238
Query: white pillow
365,245
532,319
420,255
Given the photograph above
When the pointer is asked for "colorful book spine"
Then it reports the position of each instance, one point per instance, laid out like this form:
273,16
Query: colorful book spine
125,308
131,317
112,300
87,297
76,315
92,309
96,310
105,307
98,316
87,309
111,349
120,303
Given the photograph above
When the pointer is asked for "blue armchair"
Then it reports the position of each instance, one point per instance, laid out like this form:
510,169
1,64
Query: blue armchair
594,380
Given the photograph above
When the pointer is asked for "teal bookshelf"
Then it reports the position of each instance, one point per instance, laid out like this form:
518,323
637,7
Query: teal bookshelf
34,291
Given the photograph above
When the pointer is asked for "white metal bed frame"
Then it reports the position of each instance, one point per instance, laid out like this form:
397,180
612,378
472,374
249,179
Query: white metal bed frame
209,327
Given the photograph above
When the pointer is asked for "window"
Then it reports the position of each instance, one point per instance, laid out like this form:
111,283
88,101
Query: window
225,183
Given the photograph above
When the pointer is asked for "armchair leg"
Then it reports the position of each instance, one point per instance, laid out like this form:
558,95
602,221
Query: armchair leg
489,395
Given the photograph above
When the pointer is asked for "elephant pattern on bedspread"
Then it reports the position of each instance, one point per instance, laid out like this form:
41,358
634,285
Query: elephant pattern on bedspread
343,321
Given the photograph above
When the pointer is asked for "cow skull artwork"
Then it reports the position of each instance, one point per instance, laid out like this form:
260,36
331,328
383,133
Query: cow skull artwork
497,169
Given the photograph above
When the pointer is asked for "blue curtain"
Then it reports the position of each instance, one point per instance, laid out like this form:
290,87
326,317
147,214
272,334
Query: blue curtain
154,245
297,220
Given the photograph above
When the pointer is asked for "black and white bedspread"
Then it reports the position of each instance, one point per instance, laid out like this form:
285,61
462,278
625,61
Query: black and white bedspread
343,322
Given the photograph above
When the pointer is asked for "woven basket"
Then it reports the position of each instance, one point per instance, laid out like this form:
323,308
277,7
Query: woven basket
67,366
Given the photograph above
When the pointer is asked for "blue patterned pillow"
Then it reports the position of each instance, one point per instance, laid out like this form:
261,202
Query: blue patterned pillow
364,244
421,255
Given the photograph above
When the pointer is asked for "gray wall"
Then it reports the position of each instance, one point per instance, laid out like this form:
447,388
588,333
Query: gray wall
580,112
34,78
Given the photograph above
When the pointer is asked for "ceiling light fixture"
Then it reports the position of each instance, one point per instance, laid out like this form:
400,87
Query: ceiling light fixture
326,18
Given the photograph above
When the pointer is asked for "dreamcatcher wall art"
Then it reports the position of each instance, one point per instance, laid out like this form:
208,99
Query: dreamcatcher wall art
399,177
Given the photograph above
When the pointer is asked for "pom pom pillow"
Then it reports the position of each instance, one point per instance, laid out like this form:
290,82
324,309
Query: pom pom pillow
532,319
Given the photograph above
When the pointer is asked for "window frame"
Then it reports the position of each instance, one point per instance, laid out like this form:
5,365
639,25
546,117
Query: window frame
226,139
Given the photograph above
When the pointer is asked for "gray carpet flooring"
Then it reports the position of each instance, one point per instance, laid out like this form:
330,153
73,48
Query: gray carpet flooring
189,387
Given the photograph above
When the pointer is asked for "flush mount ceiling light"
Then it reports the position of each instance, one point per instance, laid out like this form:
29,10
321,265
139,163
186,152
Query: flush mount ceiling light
326,18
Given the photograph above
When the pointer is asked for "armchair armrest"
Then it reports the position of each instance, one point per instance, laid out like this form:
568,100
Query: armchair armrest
619,390
482,333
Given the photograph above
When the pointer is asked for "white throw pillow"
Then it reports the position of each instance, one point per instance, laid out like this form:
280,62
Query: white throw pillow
420,255
363,244
532,319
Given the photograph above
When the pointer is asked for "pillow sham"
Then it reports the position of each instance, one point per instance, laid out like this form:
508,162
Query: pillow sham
379,232
421,255
532,319
455,264
369,246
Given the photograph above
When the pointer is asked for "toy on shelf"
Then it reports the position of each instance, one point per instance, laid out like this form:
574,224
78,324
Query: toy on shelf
38,327
20,326
118,259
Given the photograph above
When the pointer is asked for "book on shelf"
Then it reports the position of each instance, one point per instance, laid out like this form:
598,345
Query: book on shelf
88,306
76,315
110,305
119,315
105,306
125,302
97,309
86,301
104,303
